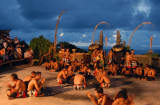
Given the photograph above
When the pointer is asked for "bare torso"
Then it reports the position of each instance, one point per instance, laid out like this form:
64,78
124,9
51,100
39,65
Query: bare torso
79,79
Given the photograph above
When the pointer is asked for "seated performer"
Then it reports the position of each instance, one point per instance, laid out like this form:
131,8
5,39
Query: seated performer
70,74
123,71
18,89
126,72
103,99
114,69
110,69
145,72
86,71
61,65
76,65
79,82
97,69
122,98
27,79
104,81
54,65
47,65
62,75
139,72
35,87
82,64
151,74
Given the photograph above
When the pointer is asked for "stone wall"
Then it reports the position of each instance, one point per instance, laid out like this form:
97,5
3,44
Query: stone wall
144,59
80,56
156,62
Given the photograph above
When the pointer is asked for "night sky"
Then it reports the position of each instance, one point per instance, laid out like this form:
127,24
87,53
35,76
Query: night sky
31,18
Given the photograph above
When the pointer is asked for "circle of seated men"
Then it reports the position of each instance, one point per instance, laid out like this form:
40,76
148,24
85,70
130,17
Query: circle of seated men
78,74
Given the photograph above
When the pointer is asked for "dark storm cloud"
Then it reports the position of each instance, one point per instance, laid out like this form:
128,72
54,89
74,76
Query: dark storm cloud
42,14
80,14
31,18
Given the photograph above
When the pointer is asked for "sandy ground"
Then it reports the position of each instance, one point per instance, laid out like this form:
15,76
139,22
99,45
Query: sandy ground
146,93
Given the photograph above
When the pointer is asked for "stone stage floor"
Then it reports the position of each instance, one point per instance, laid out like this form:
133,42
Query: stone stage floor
146,93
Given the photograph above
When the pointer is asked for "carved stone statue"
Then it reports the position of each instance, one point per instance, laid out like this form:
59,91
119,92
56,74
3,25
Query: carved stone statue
124,43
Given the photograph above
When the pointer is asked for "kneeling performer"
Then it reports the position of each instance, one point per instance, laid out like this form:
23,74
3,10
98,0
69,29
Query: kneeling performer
79,82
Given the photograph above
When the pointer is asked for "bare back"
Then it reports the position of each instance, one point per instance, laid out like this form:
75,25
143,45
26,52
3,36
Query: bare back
79,79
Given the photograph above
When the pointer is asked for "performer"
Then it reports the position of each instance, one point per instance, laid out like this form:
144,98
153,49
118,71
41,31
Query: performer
128,60
79,82
103,99
67,56
18,89
110,54
101,59
35,87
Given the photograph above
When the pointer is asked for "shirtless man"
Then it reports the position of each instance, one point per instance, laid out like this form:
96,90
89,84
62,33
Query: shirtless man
104,81
146,70
94,55
151,74
128,72
101,58
115,69
123,70
109,71
86,71
47,65
54,65
27,79
62,75
67,56
103,99
35,86
128,60
18,89
122,98
110,54
133,59
79,82
76,65
138,72
82,64
70,74
61,65
62,54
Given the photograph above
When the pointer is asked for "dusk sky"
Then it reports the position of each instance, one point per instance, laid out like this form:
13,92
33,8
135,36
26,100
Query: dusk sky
31,18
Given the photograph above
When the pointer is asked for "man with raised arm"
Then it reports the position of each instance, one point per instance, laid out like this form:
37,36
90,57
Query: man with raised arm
103,99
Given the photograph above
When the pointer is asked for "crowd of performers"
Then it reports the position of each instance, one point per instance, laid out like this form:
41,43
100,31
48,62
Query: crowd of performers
79,73
131,68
